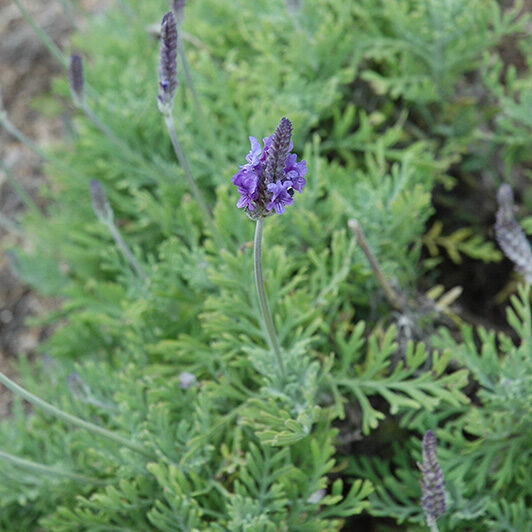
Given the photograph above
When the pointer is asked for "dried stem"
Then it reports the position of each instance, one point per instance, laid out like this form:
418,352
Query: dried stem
390,293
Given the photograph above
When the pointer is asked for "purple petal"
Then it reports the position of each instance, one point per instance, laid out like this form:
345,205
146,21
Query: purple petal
253,156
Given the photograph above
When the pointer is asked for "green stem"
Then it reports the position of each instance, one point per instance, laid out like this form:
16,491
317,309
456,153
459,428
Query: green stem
69,418
124,248
54,50
50,159
125,149
196,192
9,226
15,132
261,293
206,129
433,527
102,127
23,195
39,469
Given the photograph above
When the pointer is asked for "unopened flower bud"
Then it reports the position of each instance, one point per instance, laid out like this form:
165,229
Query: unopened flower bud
76,79
278,151
100,203
167,64
432,484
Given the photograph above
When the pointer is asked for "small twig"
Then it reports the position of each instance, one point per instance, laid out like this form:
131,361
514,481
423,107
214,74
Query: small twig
390,293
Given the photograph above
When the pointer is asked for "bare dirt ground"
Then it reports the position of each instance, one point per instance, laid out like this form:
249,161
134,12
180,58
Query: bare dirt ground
26,72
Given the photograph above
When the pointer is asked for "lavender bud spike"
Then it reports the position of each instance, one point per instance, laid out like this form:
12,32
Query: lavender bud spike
432,484
278,151
510,236
100,203
167,64
76,79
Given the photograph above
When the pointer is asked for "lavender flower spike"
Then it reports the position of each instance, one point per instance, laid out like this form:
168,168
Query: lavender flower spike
280,146
510,236
76,79
100,203
432,484
267,182
167,64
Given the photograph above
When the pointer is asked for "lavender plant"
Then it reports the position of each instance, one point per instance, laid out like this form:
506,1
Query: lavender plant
266,184
319,424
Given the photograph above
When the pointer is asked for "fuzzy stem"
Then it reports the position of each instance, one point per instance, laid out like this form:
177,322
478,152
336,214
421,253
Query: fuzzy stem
39,469
261,293
124,248
69,418
16,133
186,69
390,293
196,192
23,195
9,226
45,39
102,127
433,527
125,149
206,128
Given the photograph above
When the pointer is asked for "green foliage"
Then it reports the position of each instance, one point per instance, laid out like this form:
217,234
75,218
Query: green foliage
485,447
391,102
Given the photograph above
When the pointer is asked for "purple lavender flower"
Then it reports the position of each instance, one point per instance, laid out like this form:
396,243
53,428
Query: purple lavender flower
510,236
295,172
432,485
76,79
247,188
281,195
167,64
267,182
